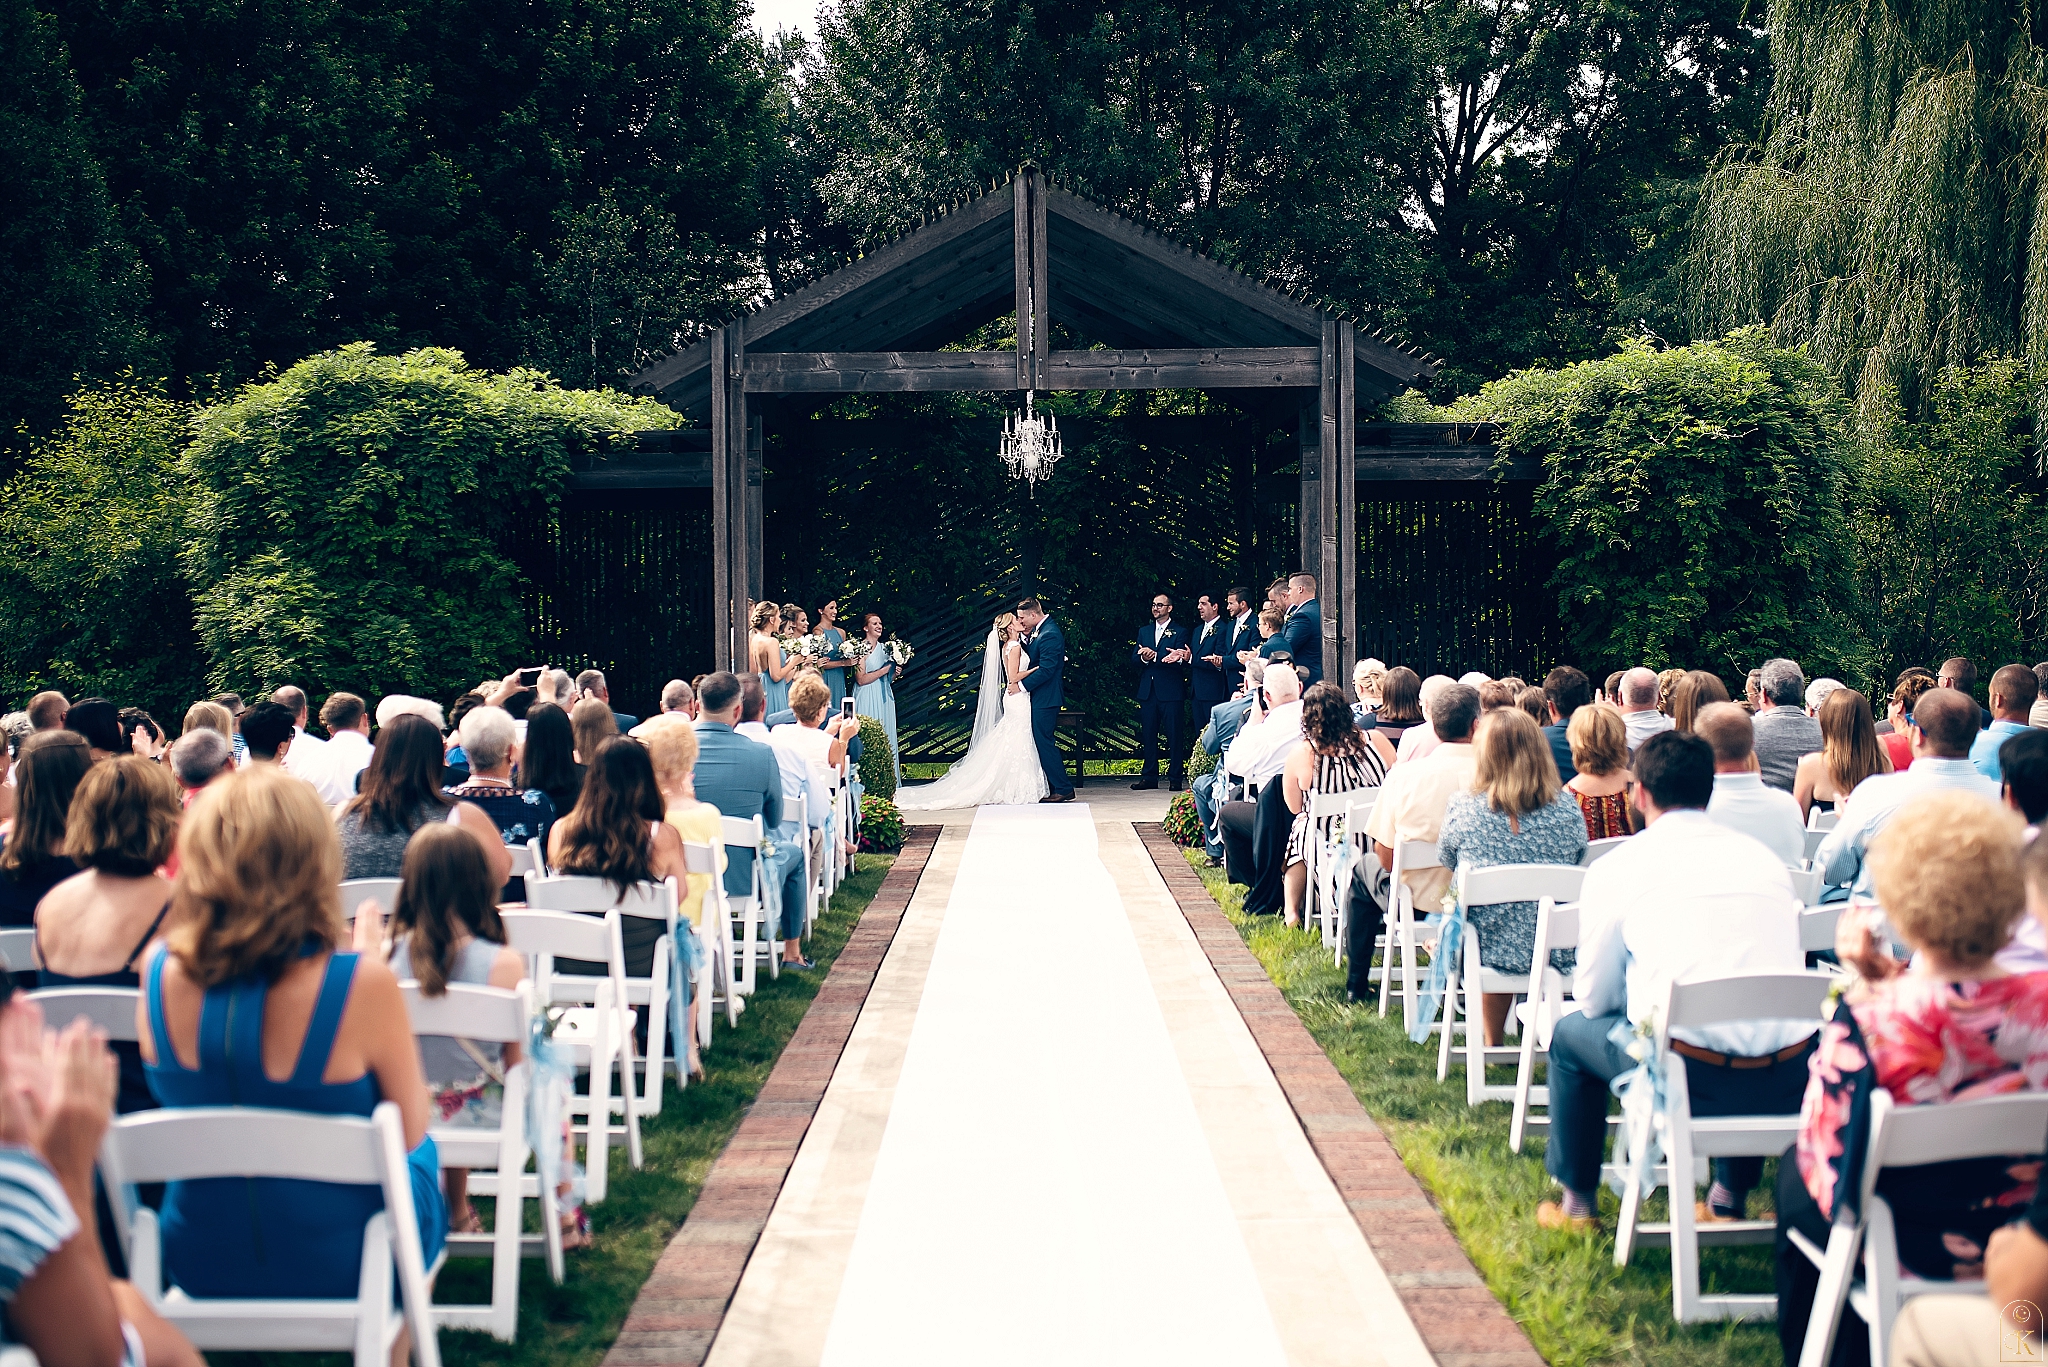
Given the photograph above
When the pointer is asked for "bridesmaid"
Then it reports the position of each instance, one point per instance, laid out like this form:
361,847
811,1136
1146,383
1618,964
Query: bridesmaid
834,665
767,658
873,695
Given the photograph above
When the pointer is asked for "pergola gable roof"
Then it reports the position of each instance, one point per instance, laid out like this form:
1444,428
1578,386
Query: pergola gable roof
1181,319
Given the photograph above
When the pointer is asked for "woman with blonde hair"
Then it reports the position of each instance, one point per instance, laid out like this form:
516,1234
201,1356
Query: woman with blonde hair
766,657
252,1001
1599,740
593,723
1849,753
1667,689
1001,765
671,742
1696,689
1516,813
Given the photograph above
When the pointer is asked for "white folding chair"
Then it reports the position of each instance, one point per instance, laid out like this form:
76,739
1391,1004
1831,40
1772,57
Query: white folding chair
1597,850
1904,1137
1357,811
1549,1001
1323,899
750,909
1818,820
528,860
1806,886
600,1035
1484,887
1689,1139
18,948
112,1009
1814,840
382,891
231,1141
803,834
1403,927
492,1015
654,902
714,984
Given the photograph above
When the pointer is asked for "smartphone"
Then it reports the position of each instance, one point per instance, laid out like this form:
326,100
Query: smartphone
846,708
528,678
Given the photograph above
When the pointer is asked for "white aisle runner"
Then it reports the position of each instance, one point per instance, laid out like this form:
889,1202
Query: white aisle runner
1082,1156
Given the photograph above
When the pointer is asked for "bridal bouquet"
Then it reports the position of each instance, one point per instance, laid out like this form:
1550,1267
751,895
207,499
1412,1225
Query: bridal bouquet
853,648
899,651
812,646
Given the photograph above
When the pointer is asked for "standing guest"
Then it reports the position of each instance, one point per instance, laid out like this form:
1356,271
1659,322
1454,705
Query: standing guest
1699,688
1415,794
591,684
1639,707
1336,758
617,833
740,777
91,928
1741,801
233,703
143,736
258,923
348,746
1783,730
1400,704
200,757
1667,689
1418,741
1598,735
874,692
47,709
1849,753
401,792
1685,899
32,855
1566,690
2013,693
1516,812
672,747
308,756
267,732
1898,745
831,663
99,721
592,722
521,815
1243,644
1162,655
1211,682
766,657
547,761
1304,629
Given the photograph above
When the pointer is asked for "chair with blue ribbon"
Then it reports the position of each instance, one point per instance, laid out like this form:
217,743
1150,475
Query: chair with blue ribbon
1466,976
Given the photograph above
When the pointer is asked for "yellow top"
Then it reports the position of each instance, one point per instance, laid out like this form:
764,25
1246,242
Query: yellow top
698,824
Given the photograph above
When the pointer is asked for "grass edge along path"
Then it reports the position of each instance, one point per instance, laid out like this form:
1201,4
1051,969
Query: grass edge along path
1576,1307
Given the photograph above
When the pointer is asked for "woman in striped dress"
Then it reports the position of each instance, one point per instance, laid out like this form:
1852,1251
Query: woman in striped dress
1336,757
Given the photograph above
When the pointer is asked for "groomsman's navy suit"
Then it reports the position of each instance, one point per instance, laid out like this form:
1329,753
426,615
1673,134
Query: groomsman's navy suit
1304,636
1046,655
1162,689
1211,683
1243,636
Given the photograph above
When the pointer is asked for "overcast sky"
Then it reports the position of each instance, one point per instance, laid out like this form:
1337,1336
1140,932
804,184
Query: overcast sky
770,15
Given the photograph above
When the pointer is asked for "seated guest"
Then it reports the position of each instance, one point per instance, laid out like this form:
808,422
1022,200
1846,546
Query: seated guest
1667,690
672,746
2013,691
91,928
591,684
268,731
1495,694
348,746
99,721
1517,812
815,735
1783,730
547,760
1567,690
801,788
1954,1027
2023,760
1699,688
232,704
308,757
401,792
445,929
1849,753
1741,801
616,832
47,709
1336,758
1418,741
1414,796
209,716
678,696
1898,746
520,814
1598,735
1255,830
593,724
740,777
394,705
32,856
1367,680
1531,700
1400,704
252,977
1225,720
2037,715
198,758
1817,693
1639,710
1685,899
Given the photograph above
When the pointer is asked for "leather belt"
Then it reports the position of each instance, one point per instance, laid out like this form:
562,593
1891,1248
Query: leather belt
1740,1062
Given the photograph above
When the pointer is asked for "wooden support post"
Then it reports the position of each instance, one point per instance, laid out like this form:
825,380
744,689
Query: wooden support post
756,542
1308,553
730,520
1338,666
1326,563
1034,309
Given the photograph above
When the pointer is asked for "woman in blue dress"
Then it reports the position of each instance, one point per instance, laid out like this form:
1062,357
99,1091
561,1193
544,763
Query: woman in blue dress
874,693
832,665
254,1002
766,657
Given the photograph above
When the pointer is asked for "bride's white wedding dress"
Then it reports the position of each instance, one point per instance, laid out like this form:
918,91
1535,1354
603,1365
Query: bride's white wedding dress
1001,765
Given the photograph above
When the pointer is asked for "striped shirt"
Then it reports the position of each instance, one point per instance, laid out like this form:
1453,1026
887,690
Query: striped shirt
35,1217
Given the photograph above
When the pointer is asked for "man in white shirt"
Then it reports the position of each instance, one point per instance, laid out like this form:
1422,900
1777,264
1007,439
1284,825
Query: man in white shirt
1639,707
347,720
1413,796
1742,802
307,758
1685,899
1255,833
797,781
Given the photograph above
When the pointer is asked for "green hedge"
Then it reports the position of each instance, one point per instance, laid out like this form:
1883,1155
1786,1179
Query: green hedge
877,759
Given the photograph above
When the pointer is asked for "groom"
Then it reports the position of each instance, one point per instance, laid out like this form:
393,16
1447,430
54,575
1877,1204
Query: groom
1045,655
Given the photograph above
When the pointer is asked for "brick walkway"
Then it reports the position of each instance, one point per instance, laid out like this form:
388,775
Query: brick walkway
1460,1321
678,1311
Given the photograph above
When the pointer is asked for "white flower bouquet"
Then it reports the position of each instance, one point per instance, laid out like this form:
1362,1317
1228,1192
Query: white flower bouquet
853,648
812,646
899,651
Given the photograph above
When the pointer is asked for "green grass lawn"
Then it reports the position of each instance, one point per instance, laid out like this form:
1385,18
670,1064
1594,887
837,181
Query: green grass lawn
1094,768
1577,1307
571,1325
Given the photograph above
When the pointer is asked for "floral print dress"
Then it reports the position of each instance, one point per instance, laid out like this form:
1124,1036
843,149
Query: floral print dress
1927,1042
1475,834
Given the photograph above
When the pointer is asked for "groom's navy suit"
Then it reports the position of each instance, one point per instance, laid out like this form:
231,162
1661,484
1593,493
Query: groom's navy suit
1304,636
1046,654
1162,688
1211,682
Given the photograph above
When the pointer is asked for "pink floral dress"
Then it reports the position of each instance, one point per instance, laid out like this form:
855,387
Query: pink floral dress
1927,1042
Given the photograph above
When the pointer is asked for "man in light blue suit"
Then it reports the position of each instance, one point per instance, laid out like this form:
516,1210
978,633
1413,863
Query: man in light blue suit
1045,656
738,776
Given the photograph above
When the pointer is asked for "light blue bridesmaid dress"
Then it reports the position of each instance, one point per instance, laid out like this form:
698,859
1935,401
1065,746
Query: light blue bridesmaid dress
835,679
776,690
877,699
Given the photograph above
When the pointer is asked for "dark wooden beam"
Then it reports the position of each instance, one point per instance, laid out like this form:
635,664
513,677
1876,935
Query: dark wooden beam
879,372
1185,368
848,372
635,470
1383,464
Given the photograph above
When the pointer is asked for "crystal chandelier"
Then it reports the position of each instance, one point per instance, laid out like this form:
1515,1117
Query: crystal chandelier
1031,445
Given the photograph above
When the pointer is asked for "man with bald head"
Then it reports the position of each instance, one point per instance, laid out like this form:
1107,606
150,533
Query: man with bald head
1742,802
1639,707
1942,727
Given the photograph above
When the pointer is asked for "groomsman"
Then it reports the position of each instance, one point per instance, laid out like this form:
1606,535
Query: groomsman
1212,651
1244,635
1304,629
1162,655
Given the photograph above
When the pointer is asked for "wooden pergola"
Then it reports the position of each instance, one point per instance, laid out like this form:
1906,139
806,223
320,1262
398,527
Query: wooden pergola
1163,317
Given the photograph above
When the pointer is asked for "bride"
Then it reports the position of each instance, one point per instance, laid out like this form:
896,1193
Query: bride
1001,766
